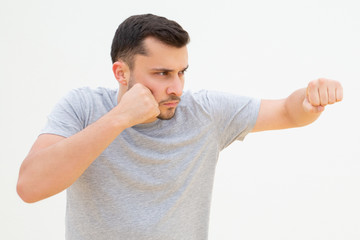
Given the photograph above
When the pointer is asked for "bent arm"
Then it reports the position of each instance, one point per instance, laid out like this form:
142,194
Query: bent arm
301,108
55,162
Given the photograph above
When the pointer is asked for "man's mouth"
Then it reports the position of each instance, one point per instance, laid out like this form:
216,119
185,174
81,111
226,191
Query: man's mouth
171,104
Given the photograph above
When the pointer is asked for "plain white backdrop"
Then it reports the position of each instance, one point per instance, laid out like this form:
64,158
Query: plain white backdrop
290,184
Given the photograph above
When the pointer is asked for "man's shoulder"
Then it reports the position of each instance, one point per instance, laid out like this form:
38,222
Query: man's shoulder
88,93
217,102
197,102
87,98
204,96
197,96
86,90
189,98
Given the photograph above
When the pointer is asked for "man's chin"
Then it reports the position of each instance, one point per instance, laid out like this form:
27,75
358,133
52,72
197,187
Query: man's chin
161,117
169,114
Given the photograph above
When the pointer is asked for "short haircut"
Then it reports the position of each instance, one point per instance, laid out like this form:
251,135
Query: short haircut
130,35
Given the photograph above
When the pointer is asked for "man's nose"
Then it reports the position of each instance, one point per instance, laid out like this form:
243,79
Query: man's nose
176,87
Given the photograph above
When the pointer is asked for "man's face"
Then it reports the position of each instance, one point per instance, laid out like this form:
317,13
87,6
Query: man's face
162,71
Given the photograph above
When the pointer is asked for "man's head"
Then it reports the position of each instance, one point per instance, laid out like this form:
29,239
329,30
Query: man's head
151,50
130,35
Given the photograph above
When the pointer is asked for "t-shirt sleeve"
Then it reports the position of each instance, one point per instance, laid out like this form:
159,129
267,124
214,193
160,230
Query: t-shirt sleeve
234,115
67,117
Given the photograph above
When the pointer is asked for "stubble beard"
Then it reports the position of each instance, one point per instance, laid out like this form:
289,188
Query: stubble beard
166,114
169,112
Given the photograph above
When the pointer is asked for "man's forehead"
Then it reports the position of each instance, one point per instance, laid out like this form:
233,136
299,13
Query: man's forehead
162,56
150,42
152,45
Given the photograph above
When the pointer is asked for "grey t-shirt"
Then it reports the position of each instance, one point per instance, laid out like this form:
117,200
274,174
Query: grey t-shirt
155,180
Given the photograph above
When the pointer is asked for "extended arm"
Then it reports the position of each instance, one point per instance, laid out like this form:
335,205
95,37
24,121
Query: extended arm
55,162
299,109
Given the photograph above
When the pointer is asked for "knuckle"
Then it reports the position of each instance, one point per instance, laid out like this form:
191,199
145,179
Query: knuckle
322,81
143,91
312,84
332,99
147,102
338,84
315,102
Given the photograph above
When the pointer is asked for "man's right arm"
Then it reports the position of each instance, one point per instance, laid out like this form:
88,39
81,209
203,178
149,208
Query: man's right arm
55,162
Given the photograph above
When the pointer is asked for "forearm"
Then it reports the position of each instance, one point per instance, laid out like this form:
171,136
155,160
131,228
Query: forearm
295,110
54,163
52,169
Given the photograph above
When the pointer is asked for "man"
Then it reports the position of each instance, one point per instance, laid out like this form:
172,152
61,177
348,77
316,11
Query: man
138,163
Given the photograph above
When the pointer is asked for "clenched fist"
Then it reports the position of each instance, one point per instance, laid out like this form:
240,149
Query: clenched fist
138,105
320,93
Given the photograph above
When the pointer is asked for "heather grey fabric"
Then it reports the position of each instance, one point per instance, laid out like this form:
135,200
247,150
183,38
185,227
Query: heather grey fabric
155,180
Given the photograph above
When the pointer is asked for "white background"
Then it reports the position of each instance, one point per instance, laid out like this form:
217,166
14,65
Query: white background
291,184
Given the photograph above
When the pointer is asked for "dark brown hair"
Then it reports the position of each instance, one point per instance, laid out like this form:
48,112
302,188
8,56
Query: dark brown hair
129,37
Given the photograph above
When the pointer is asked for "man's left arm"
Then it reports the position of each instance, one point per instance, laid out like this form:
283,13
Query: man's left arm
299,109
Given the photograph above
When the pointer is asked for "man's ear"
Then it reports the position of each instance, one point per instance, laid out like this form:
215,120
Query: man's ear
121,72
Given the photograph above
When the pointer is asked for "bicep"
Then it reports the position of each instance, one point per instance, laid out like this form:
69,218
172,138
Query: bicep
272,116
44,141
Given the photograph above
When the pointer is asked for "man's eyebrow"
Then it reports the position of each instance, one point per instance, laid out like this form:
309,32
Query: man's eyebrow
167,70
162,69
185,68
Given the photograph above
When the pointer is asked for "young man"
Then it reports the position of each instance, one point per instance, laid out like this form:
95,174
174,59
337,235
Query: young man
138,163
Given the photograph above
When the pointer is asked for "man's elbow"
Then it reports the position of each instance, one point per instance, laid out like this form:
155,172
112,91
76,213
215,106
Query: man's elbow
24,193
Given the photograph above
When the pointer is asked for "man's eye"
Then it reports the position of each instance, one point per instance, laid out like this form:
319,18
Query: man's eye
163,73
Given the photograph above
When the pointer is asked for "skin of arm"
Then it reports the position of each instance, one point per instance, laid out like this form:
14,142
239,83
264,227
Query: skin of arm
55,162
301,108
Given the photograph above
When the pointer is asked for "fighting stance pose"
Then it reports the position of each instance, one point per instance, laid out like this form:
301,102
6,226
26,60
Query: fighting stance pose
138,162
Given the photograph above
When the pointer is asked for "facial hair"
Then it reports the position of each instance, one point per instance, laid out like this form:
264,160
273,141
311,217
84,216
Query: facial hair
169,112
